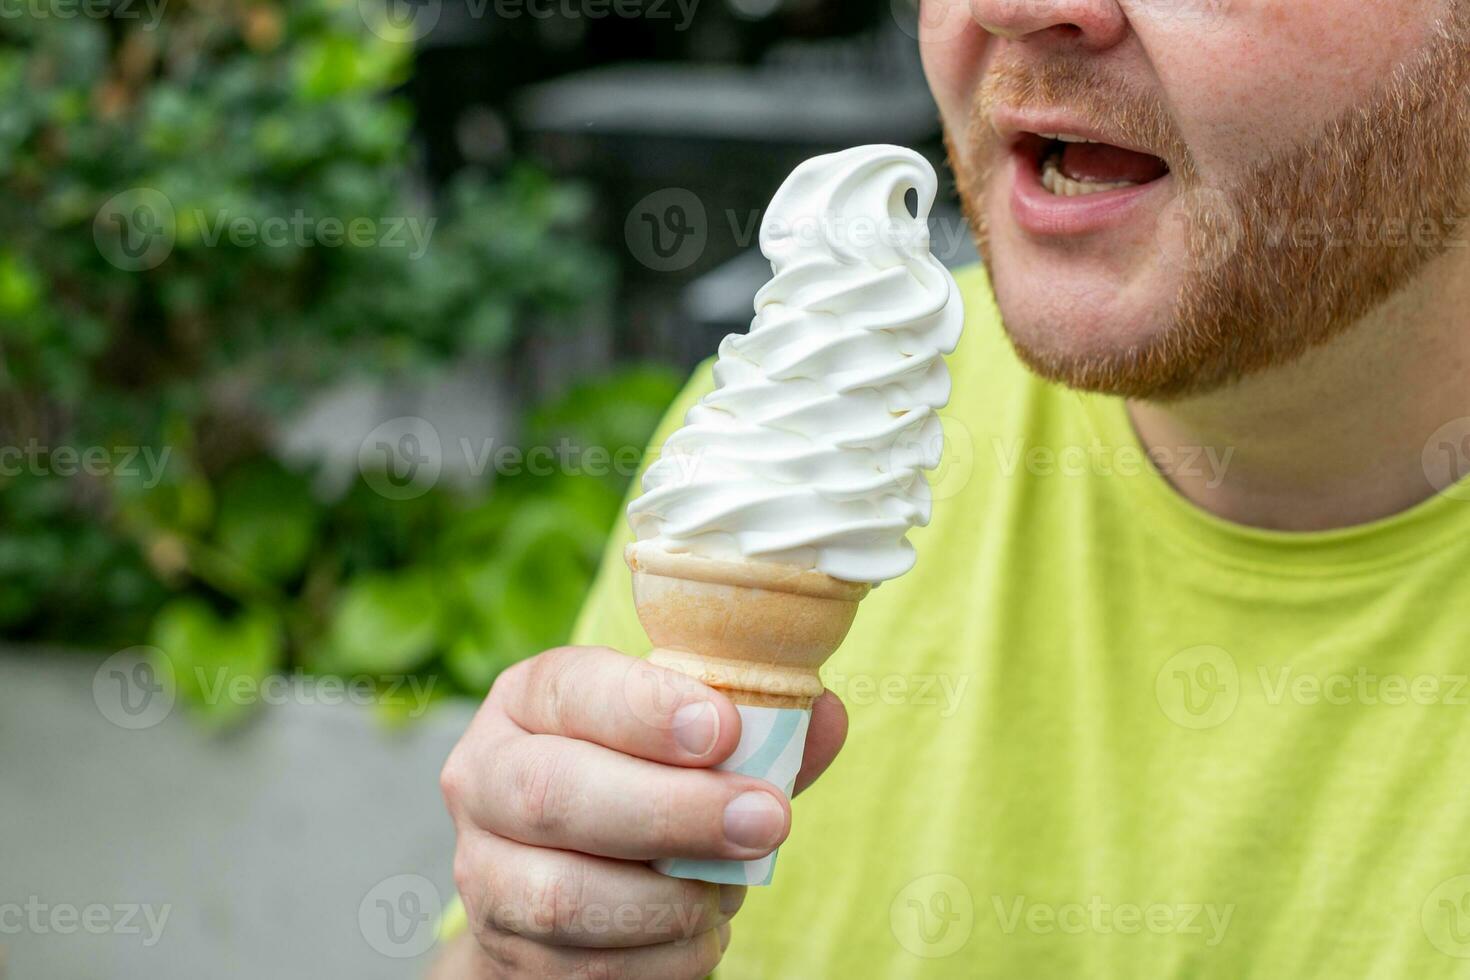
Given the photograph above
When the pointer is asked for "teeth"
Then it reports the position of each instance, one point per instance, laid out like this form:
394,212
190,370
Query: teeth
1064,138
1061,185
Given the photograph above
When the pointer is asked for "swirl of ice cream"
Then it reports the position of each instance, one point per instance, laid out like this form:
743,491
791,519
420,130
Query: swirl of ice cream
812,446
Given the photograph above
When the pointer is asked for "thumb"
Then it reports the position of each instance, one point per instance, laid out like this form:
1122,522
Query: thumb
824,738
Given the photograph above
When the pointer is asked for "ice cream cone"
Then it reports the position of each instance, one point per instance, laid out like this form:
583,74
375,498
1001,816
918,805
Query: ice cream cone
758,631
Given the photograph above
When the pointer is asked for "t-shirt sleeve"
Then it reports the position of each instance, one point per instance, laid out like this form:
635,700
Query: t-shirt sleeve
608,617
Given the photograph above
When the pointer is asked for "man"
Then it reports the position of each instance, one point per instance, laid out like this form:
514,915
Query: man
1179,684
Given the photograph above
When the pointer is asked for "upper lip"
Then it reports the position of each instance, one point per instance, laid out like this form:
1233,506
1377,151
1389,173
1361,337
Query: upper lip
1013,125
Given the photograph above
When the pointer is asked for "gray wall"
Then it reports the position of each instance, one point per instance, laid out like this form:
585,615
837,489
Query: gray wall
311,843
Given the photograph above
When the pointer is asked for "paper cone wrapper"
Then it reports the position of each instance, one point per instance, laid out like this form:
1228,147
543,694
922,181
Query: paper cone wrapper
772,741
759,632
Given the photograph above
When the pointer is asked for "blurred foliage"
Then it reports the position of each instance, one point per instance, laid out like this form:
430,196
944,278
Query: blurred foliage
203,543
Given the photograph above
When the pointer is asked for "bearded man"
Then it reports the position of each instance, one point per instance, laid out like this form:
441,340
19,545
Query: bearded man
1179,684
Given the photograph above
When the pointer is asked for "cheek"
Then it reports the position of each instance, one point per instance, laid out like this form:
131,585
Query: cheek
1250,77
954,50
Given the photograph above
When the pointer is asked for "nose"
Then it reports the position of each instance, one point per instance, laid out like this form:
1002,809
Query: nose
1092,24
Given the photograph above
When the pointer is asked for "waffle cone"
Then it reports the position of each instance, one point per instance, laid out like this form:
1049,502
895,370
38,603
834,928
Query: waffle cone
758,631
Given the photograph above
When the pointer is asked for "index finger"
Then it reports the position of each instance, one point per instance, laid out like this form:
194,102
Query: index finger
623,703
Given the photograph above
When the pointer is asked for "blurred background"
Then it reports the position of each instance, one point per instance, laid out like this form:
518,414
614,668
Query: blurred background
331,334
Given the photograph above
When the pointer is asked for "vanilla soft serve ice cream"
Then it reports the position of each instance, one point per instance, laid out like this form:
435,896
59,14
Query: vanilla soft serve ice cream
812,447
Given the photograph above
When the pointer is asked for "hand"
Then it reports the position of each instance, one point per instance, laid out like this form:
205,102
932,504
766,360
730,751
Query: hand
581,765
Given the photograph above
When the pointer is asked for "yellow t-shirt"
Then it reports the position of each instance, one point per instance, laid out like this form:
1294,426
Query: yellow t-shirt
1098,733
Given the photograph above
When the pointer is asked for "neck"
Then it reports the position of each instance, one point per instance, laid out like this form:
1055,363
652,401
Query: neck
1338,437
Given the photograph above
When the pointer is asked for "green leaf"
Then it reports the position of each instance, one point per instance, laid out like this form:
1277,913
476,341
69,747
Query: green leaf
385,624
19,289
217,665
267,520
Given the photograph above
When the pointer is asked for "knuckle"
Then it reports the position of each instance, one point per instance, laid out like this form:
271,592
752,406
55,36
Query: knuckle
452,782
466,877
509,681
663,814
550,900
599,967
558,677
506,950
542,789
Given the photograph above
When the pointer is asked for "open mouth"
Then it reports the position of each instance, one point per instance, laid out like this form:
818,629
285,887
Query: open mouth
1074,166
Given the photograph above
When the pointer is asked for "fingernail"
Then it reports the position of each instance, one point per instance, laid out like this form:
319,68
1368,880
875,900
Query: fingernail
754,820
724,936
731,898
697,727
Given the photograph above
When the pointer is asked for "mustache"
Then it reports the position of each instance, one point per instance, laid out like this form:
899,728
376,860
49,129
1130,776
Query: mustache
1111,104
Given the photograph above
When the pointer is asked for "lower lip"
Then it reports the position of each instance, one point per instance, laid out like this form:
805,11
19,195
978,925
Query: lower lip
1040,212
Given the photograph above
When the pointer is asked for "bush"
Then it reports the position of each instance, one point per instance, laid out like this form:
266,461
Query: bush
179,270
